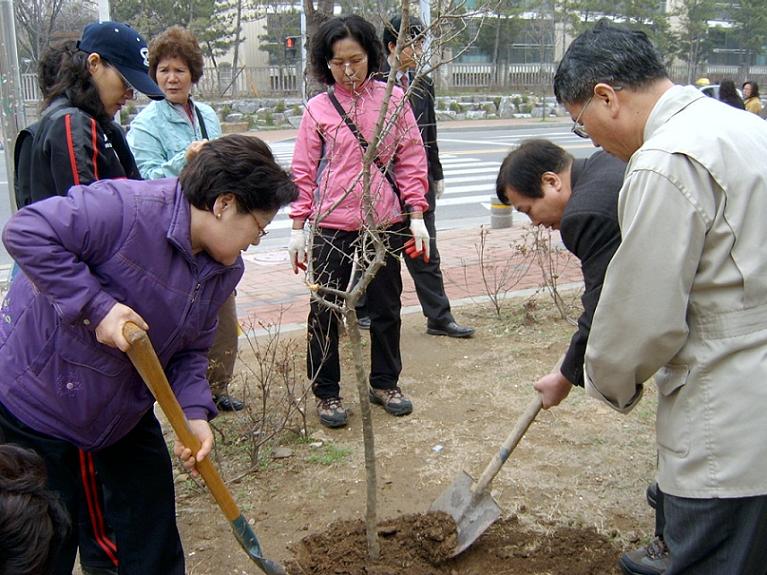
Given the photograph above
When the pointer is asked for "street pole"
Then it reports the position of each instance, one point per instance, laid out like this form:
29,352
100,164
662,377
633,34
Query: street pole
104,10
426,19
302,67
11,101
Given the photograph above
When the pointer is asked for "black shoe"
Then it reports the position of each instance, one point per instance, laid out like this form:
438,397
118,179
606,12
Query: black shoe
225,402
654,559
363,321
652,494
450,329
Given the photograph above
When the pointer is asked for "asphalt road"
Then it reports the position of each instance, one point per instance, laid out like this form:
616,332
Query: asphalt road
470,157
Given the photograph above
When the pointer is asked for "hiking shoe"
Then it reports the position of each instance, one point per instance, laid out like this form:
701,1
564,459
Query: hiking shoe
653,559
332,412
392,401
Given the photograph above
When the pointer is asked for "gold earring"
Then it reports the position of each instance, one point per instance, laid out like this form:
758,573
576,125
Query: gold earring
218,216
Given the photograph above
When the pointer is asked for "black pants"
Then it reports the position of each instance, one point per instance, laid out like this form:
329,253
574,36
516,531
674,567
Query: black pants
332,258
716,536
138,489
427,277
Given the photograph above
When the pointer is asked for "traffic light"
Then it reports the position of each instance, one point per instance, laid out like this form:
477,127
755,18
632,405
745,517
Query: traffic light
291,47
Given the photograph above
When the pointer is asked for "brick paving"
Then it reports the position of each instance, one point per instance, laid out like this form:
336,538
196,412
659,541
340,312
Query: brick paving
270,294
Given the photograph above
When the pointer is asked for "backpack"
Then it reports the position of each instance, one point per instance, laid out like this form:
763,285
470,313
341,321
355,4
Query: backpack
22,165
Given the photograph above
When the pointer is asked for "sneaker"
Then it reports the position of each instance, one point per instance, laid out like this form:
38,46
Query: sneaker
653,559
392,401
363,321
332,412
226,402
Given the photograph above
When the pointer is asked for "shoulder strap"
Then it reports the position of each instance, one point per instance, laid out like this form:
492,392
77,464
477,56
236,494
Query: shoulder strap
202,122
361,139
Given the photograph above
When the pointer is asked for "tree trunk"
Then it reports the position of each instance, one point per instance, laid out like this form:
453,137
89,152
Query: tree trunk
235,58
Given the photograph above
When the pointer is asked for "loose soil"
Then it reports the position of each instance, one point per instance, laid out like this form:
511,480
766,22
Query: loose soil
572,493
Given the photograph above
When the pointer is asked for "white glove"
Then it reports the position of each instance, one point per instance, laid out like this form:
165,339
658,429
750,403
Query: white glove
297,250
420,239
439,188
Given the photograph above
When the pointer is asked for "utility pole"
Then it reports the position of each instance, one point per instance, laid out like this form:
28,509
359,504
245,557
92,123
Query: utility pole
11,101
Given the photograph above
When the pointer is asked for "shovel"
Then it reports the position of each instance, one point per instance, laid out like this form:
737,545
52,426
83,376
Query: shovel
144,359
468,503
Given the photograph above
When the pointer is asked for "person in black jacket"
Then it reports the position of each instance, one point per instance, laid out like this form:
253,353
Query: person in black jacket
729,95
426,275
580,199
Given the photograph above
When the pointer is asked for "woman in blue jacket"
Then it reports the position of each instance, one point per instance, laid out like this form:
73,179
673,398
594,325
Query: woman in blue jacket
162,138
164,255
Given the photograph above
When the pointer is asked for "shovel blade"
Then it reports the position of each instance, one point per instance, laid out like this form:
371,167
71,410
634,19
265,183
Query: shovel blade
472,512
249,542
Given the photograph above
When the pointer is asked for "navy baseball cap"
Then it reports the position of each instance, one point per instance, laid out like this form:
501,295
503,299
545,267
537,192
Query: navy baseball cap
125,49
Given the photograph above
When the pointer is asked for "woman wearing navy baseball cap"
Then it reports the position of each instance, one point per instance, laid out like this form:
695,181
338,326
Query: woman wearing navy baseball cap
76,141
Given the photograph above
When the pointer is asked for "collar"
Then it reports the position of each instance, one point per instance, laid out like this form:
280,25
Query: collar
576,169
673,101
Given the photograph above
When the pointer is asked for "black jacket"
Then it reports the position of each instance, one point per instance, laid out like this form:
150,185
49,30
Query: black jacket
422,102
590,230
67,147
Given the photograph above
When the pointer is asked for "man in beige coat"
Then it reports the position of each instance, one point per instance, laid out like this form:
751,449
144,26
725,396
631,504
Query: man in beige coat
685,294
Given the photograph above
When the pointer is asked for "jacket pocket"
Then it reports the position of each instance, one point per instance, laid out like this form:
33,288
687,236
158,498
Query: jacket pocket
673,415
90,383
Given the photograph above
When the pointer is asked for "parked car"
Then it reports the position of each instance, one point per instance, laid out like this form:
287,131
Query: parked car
712,90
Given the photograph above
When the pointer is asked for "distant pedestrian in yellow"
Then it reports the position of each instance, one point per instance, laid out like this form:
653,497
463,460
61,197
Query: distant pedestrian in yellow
751,97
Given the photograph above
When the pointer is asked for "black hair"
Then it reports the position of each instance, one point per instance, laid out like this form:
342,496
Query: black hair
524,167
338,28
754,88
73,80
610,54
33,522
727,90
391,30
49,65
239,165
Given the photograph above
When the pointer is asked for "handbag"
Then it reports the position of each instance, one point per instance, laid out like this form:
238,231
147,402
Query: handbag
364,143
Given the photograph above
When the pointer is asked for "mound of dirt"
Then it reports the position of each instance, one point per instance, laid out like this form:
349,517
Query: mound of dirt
421,544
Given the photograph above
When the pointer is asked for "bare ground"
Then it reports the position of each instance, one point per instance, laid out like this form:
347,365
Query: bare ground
572,492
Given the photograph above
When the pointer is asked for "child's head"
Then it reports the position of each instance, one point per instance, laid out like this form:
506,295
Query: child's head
33,522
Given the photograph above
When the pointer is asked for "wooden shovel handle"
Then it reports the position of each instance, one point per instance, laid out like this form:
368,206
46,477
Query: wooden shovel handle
508,446
144,359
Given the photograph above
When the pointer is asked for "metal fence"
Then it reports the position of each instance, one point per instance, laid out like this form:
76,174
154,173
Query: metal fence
283,81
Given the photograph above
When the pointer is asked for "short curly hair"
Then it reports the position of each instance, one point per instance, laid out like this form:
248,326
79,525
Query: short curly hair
176,42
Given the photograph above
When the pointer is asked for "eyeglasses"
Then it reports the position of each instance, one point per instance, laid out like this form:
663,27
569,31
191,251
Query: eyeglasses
261,231
339,64
578,129
126,85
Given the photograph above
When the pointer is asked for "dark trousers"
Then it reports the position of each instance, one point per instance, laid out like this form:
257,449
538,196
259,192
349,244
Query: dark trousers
332,258
716,536
223,352
138,488
427,277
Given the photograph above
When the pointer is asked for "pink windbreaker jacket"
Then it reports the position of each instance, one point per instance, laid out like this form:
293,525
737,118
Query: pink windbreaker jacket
327,161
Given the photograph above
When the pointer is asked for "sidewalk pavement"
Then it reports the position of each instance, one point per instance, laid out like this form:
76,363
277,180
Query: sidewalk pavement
269,294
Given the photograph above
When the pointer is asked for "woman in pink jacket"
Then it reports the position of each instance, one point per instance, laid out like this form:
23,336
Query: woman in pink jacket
328,168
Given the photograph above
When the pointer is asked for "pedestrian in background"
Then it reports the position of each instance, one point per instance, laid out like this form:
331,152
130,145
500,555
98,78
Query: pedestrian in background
163,137
729,95
751,97
427,276
685,294
345,55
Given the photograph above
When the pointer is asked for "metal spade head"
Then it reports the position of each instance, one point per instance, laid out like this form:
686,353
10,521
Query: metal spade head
473,512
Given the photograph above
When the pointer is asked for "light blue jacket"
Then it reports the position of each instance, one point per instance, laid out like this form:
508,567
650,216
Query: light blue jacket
159,136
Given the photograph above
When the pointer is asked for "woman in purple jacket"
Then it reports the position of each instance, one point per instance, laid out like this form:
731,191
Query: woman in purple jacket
164,254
